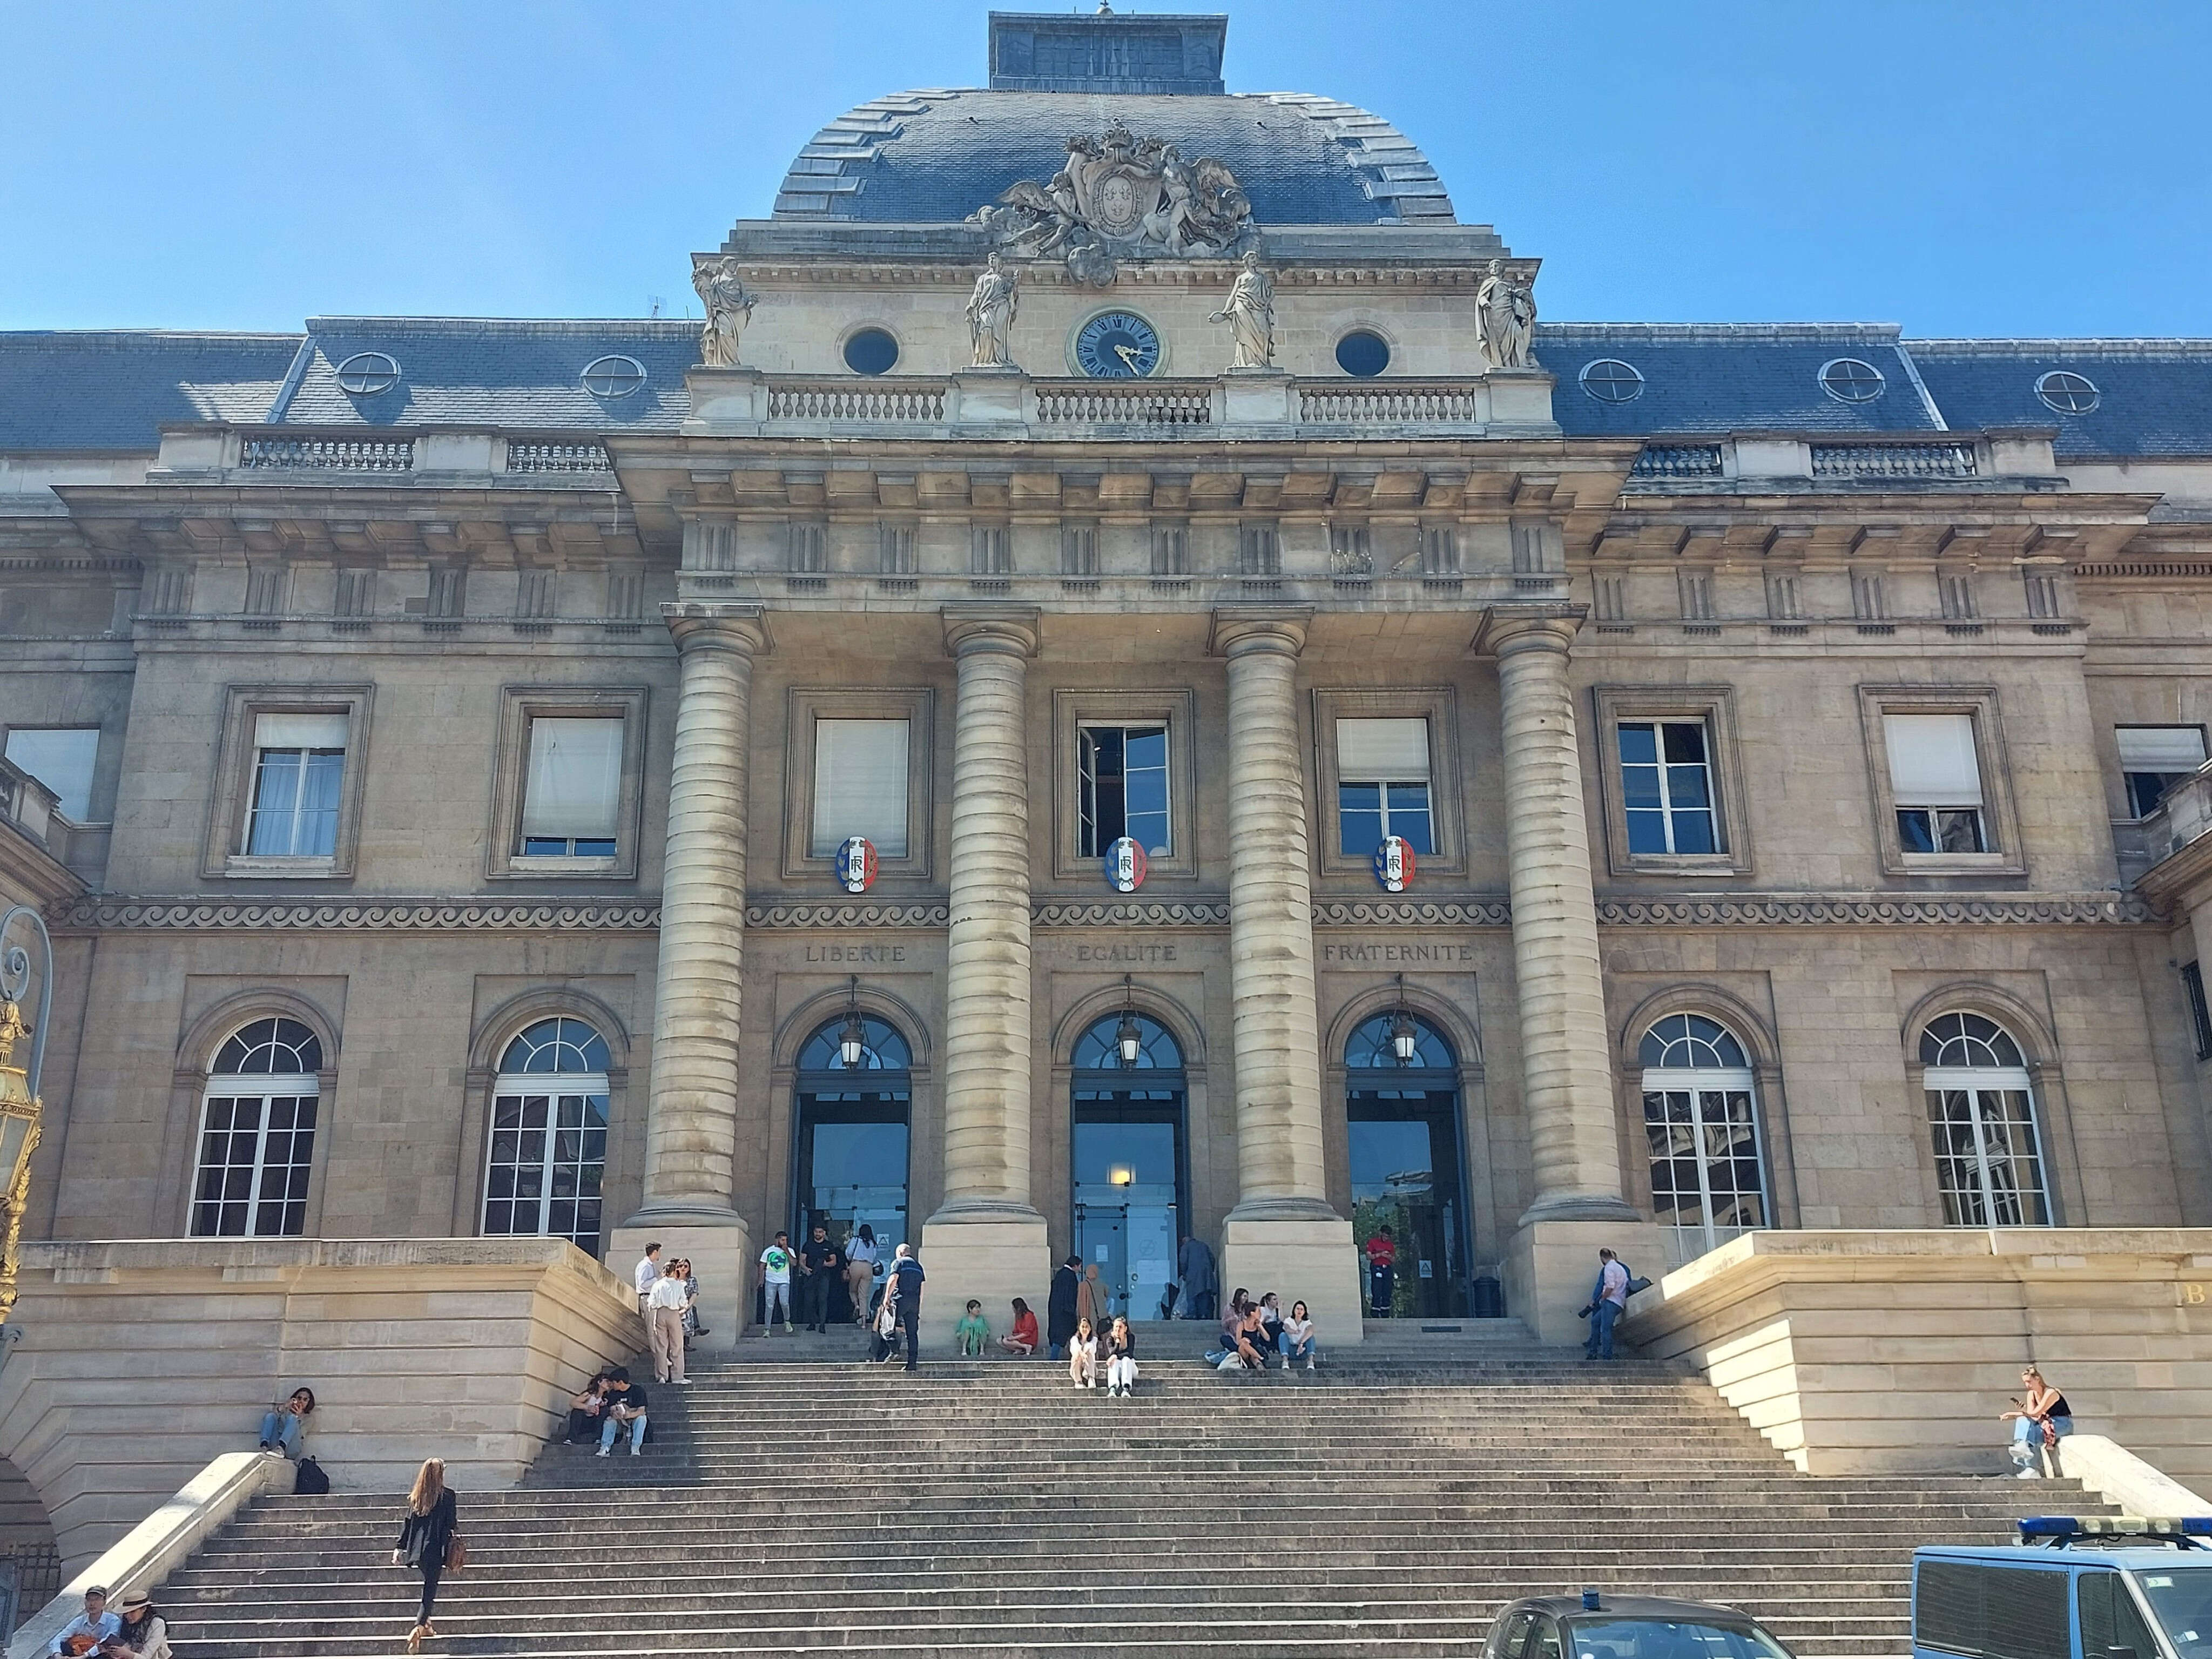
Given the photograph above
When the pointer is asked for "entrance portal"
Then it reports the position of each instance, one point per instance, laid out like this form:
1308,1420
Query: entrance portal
1132,1182
1402,1104
849,1143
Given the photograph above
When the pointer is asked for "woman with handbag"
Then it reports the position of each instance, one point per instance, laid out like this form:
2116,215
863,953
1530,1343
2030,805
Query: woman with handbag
2038,1423
429,1540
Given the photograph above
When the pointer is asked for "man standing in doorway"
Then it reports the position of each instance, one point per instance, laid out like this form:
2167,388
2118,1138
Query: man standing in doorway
1382,1272
1608,1299
1060,1308
819,1265
647,1271
1200,1289
905,1291
775,1281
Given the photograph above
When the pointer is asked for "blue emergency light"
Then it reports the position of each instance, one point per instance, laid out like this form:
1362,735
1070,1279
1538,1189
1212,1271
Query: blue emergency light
2056,1530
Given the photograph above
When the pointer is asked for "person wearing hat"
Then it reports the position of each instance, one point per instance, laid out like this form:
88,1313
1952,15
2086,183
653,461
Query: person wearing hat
144,1633
90,1628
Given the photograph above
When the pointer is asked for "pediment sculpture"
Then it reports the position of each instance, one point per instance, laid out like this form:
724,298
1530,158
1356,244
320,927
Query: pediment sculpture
1119,197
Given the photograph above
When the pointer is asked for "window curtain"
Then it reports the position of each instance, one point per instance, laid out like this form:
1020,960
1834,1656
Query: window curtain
1383,751
300,732
1931,760
2162,749
574,788
860,785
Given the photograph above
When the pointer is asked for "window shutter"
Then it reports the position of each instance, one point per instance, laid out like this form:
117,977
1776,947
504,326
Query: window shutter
574,788
1931,760
300,732
2166,749
859,785
1382,751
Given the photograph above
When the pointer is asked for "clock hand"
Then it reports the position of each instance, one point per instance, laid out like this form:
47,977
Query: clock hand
1129,355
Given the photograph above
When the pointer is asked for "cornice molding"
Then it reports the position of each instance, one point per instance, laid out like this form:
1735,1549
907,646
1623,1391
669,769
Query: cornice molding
1413,913
1187,913
781,917
406,916
1878,910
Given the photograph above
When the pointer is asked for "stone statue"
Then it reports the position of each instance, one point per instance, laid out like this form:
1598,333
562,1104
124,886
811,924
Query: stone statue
1505,305
1251,312
991,315
729,307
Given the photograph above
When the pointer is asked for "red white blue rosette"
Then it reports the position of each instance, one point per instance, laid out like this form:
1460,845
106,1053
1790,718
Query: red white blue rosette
1125,865
855,863
1394,865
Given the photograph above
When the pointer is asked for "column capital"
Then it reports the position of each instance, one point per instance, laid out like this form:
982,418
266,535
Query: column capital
1268,628
1510,630
1004,628
697,626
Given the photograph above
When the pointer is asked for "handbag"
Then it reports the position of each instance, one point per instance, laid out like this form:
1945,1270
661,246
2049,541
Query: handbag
457,1552
309,1480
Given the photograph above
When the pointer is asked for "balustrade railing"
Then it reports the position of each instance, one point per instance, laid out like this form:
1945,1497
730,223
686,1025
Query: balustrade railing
558,458
849,400
1135,404
1390,403
1678,461
329,454
1908,461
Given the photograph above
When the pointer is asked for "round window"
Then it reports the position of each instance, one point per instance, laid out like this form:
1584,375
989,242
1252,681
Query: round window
1363,352
1849,381
871,351
613,377
1612,381
368,373
2068,392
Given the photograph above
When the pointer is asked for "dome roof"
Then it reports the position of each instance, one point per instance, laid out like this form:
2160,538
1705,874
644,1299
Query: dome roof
934,157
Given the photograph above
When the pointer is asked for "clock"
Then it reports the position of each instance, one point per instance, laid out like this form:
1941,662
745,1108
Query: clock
1117,345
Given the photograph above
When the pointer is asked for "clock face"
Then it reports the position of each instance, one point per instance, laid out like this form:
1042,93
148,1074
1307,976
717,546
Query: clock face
1117,345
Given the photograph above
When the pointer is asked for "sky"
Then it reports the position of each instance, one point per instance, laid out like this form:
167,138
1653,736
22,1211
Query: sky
1998,168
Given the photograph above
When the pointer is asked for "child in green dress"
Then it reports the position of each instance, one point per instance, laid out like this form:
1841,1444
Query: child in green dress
972,1332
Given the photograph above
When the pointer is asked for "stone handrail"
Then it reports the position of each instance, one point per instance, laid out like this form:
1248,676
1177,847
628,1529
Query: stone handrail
1124,403
885,402
329,454
152,1549
2104,1466
1390,402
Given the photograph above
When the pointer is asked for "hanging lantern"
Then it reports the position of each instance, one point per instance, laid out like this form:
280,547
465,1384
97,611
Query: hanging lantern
853,1041
1405,1035
1129,1036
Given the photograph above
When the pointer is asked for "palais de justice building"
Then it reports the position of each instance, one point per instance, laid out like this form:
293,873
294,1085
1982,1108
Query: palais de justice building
1120,685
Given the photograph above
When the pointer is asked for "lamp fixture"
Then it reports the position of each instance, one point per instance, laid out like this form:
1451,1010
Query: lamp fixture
1405,1035
1122,1174
19,1109
1129,1036
853,1041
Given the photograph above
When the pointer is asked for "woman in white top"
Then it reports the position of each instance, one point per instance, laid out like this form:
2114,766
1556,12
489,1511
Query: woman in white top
1299,1338
1082,1356
1121,1359
144,1634
859,1269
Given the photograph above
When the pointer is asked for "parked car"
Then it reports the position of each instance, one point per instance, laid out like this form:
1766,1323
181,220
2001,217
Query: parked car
2097,1587
1596,1626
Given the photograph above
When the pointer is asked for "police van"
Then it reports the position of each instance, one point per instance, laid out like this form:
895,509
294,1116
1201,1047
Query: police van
2112,1587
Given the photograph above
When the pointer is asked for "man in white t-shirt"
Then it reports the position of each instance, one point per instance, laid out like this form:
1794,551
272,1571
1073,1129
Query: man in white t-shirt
776,1282
1608,1301
647,1275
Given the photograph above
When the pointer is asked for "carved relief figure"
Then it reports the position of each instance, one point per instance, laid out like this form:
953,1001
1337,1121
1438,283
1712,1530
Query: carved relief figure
1121,196
1251,312
728,309
1505,304
991,315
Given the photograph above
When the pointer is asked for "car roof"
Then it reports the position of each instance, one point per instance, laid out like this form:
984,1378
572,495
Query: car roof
1633,1607
2082,1552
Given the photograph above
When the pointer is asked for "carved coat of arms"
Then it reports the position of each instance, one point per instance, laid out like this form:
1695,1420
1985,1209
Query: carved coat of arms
1121,196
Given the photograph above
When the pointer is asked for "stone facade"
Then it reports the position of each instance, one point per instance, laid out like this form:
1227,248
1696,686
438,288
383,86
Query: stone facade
1010,560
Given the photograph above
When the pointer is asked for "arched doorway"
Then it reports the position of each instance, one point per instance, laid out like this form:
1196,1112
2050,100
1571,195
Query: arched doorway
1981,1110
1130,1165
1701,1121
548,1155
1401,1103
854,1098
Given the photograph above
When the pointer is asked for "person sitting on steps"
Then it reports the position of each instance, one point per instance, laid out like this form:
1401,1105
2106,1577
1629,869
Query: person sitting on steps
972,1333
1299,1338
1121,1360
585,1407
1252,1344
1082,1356
1024,1341
284,1426
2038,1421
1270,1324
626,1409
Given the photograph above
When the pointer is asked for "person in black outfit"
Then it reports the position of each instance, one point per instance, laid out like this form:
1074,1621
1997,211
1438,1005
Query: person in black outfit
821,1264
584,1409
1060,1308
906,1295
425,1534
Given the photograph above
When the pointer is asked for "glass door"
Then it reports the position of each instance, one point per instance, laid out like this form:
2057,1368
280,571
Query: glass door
1405,1178
1129,1163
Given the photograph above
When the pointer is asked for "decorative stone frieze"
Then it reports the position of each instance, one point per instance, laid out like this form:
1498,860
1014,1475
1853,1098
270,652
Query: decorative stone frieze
101,914
1130,915
1411,913
811,916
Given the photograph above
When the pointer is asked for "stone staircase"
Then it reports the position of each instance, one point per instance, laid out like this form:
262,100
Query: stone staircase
1387,1507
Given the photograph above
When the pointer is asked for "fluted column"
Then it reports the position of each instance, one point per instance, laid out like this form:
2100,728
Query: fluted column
1271,953
1567,1087
987,976
691,1111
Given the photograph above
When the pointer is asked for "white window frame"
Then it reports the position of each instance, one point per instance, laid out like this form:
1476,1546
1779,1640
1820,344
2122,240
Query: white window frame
1074,711
804,706
823,838
540,858
263,1086
1715,817
1086,784
236,784
1974,1081
1385,784
518,1086
520,708
2129,775
2001,839
1700,1082
303,756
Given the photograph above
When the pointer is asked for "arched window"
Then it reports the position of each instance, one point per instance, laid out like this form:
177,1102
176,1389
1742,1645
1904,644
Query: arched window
1701,1118
1374,1045
853,1129
1129,1158
1098,1050
1981,1114
881,1047
548,1135
256,1141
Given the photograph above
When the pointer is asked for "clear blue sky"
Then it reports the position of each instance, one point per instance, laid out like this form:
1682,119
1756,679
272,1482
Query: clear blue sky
1994,168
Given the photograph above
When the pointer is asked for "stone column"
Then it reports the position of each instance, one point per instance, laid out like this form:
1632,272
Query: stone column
1566,1073
691,1109
1282,1235
985,1240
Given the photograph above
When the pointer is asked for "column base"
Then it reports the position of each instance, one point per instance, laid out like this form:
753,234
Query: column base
719,1251
1550,1267
1308,1258
989,1254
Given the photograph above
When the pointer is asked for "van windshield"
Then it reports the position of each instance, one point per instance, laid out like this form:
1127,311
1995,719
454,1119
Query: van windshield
2182,1599
1663,1638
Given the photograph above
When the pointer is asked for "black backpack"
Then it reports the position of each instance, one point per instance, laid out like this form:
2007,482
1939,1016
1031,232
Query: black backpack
310,1481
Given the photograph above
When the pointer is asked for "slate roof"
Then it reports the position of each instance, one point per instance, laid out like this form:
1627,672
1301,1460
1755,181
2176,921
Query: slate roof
110,389
2154,396
1736,377
502,372
933,157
